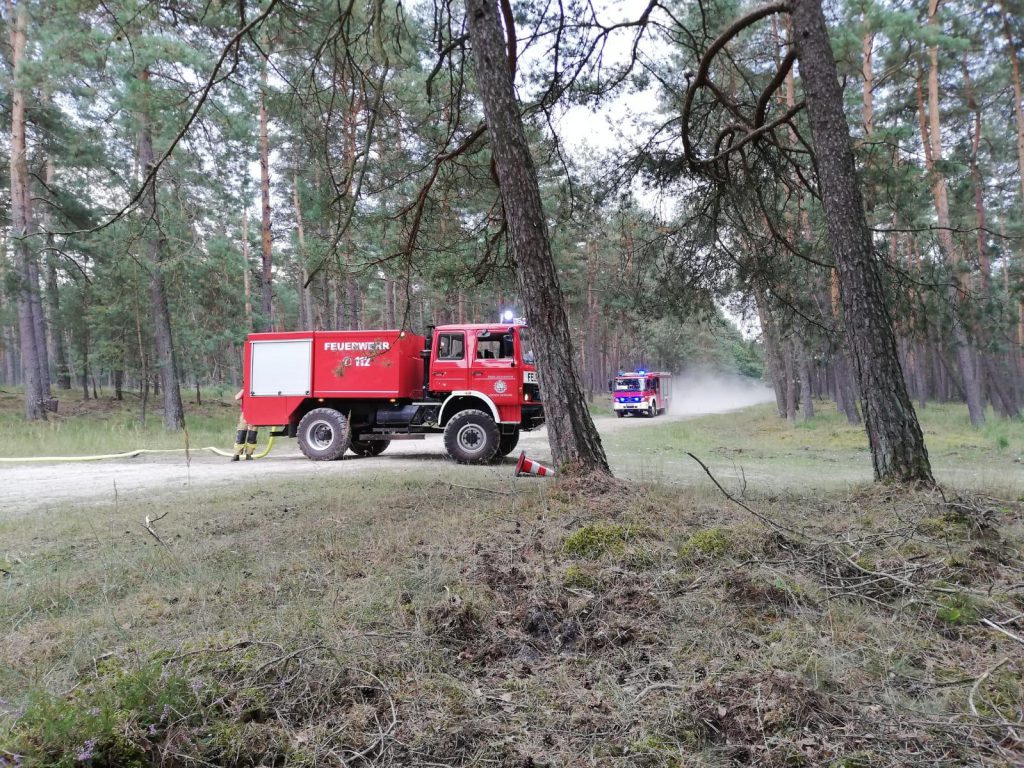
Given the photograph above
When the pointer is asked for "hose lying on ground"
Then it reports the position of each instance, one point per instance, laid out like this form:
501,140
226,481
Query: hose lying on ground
130,454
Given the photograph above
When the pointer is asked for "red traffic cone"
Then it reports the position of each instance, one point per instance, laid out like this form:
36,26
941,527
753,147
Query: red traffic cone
527,466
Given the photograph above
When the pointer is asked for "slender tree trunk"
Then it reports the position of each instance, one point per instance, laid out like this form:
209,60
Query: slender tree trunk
247,270
792,379
60,355
806,390
932,137
1012,48
266,237
575,442
897,445
993,365
39,322
20,218
772,350
305,294
389,303
174,412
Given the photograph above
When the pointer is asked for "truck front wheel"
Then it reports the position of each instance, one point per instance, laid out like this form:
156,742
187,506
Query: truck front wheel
323,434
471,437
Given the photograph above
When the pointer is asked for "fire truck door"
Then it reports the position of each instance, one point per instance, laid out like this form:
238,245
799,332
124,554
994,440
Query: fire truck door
449,371
492,367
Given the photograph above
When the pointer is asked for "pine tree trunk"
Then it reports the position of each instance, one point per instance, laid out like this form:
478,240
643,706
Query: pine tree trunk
1012,48
39,321
897,444
266,236
932,138
174,412
60,355
806,390
247,271
995,371
305,294
792,379
575,443
31,349
772,351
389,303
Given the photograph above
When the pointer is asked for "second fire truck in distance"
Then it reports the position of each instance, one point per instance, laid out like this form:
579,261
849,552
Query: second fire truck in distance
642,393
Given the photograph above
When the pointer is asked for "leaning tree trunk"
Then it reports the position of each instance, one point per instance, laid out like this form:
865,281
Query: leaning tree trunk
30,348
174,412
897,445
574,440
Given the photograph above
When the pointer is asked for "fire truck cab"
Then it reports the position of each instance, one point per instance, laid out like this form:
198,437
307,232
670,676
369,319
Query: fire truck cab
359,390
646,393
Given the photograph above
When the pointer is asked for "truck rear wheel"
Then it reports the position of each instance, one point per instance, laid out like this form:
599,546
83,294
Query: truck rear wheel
368,447
471,437
323,434
506,444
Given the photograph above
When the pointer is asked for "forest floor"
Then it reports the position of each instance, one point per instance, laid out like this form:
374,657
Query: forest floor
416,612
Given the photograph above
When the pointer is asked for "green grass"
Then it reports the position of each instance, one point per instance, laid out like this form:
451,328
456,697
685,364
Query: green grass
82,428
755,447
471,618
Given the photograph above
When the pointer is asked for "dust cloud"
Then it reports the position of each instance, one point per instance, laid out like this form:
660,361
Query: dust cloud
705,391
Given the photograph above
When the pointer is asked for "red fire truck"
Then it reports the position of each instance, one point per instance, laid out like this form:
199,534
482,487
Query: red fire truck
642,392
359,390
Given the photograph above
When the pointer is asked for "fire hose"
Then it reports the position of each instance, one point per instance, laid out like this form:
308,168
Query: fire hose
132,454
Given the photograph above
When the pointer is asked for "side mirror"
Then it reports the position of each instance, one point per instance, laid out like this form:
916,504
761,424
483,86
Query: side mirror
611,385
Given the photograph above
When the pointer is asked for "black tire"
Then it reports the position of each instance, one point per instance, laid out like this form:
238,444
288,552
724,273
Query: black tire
506,444
620,414
323,434
368,447
471,437
652,411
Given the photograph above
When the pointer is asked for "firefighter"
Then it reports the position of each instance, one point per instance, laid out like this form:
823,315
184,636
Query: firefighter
245,436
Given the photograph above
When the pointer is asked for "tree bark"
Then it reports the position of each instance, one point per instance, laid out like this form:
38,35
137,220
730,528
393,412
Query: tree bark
575,443
772,351
993,366
1012,47
20,216
266,237
305,294
247,271
897,445
60,355
932,137
174,412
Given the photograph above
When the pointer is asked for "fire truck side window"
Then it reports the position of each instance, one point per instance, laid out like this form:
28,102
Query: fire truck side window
493,347
451,346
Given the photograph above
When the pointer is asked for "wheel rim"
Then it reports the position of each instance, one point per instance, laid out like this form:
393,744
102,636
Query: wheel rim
321,435
471,438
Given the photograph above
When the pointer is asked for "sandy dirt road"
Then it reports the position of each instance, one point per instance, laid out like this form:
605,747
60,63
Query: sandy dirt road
34,488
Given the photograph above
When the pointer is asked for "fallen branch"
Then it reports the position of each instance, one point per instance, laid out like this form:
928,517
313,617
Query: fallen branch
149,526
737,502
992,625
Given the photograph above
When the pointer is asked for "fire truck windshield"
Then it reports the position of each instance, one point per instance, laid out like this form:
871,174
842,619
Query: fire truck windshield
628,385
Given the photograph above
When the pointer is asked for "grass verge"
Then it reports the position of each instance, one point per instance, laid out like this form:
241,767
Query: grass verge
414,621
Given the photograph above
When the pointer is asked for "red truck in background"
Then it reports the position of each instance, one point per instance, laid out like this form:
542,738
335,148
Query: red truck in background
359,390
641,392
